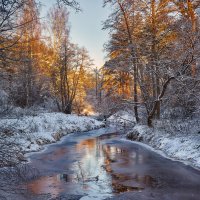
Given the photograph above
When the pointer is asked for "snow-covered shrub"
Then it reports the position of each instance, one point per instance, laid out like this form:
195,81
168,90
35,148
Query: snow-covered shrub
178,126
32,131
122,118
10,151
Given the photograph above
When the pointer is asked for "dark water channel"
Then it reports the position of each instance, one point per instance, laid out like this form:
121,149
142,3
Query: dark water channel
99,165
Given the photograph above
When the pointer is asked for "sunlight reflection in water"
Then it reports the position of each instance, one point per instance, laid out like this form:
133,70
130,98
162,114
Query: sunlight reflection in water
97,171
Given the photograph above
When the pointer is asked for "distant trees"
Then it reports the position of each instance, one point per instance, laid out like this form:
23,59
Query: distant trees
155,42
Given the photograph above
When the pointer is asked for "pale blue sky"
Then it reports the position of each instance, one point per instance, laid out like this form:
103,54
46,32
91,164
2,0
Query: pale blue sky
86,27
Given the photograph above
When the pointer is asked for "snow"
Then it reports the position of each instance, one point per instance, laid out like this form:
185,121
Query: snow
122,118
180,146
31,132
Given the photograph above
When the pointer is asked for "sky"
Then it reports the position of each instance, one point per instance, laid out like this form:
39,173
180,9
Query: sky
86,27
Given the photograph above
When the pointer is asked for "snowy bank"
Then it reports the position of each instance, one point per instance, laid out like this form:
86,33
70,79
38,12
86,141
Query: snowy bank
31,132
180,146
176,138
122,118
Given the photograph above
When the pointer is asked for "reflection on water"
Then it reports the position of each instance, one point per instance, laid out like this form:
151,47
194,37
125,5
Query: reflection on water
46,185
97,168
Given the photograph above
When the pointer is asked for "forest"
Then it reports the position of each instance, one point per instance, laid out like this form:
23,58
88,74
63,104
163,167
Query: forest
152,59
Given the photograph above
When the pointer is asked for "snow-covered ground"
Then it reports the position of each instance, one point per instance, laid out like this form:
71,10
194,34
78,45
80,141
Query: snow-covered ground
31,132
182,146
122,118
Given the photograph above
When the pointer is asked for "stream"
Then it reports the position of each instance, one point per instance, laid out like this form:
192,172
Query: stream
100,164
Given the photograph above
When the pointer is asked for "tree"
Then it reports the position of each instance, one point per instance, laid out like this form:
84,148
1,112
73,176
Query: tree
9,26
145,33
26,90
124,21
69,62
188,11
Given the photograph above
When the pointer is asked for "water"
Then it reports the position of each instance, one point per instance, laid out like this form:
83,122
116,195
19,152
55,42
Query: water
100,165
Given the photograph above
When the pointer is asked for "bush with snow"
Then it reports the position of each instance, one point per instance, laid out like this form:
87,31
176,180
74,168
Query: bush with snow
122,118
30,132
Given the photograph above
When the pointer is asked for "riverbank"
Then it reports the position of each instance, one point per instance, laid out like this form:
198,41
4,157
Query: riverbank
178,139
30,133
181,143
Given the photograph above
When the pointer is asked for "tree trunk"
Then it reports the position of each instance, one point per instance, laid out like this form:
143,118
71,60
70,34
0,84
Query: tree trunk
134,59
156,105
136,95
68,109
158,93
